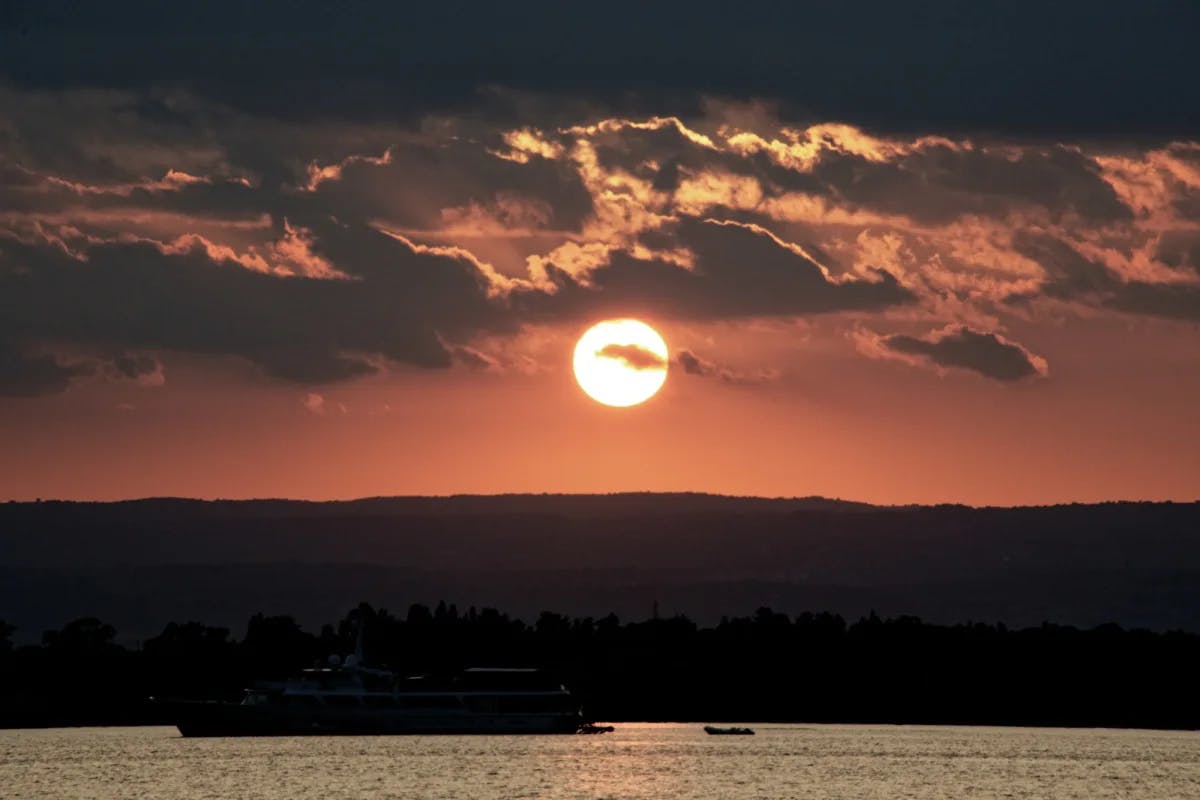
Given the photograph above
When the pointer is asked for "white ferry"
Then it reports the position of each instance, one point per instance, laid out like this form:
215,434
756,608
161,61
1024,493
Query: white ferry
346,697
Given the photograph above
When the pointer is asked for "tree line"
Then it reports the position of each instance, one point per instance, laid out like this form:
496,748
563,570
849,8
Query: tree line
812,667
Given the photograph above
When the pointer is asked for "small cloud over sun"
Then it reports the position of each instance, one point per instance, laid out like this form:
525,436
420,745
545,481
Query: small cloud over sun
633,355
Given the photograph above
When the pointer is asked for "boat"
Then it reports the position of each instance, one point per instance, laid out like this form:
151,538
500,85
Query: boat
346,697
712,730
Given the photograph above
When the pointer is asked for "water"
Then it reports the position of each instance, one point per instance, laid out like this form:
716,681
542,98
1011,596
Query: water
637,761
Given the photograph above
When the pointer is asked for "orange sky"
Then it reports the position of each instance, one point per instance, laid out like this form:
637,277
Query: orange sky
343,311
832,425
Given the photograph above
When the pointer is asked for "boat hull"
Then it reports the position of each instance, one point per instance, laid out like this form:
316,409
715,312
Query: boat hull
227,719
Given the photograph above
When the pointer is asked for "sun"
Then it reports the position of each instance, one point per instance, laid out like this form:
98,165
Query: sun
621,362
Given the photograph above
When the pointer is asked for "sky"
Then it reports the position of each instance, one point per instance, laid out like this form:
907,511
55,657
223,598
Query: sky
899,253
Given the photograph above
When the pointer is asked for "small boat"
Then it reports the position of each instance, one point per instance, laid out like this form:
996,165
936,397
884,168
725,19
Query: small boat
591,727
712,730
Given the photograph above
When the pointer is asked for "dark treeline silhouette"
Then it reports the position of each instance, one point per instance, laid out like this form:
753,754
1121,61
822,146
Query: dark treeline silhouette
139,564
769,666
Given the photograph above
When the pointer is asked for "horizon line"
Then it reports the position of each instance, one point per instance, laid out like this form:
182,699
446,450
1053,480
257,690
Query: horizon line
596,494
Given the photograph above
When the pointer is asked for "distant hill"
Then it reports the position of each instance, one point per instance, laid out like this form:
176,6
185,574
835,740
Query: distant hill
139,564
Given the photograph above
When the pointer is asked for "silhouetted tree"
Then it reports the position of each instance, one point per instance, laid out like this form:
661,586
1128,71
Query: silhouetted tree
418,615
188,640
82,637
278,644
551,625
813,666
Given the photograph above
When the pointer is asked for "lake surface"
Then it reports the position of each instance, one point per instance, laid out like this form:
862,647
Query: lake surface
847,762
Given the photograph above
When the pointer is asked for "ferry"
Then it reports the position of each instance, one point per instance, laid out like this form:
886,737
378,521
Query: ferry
347,697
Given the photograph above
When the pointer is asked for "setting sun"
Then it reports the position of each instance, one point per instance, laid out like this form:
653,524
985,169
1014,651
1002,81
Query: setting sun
621,362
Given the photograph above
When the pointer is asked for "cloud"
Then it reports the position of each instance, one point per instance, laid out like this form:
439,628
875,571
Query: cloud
318,174
30,375
146,295
739,271
474,358
314,403
960,347
134,366
983,67
940,181
146,370
432,183
693,364
317,405
1070,275
26,372
929,180
634,356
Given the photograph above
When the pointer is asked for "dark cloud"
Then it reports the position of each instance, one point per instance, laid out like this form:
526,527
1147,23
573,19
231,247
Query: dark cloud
1068,274
25,372
634,356
138,295
960,347
1168,300
420,179
693,364
932,181
30,375
1180,250
1068,67
937,183
747,271
740,271
135,366
837,173
1072,276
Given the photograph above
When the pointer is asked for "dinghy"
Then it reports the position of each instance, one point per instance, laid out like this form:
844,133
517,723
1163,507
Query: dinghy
712,730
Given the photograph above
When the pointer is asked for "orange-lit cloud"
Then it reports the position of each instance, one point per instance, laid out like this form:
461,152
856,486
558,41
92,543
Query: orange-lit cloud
318,174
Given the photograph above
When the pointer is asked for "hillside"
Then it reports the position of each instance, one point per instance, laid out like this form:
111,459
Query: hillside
139,564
